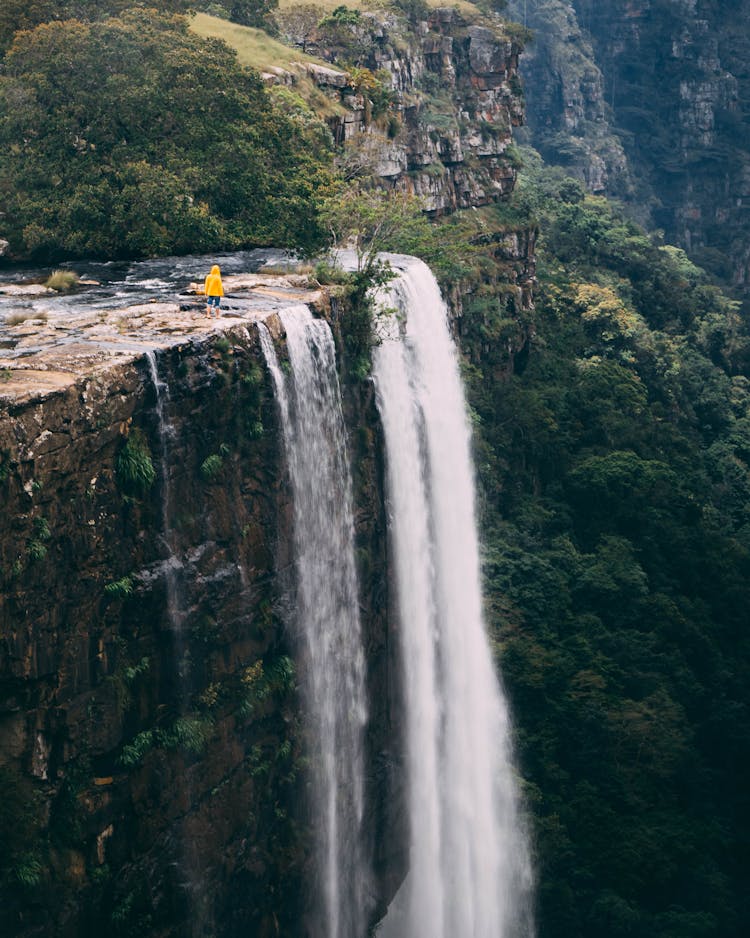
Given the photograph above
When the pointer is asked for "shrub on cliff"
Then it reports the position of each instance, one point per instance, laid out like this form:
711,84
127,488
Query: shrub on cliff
134,467
135,137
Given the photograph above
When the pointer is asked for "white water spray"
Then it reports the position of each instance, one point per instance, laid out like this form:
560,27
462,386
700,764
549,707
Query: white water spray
469,873
327,614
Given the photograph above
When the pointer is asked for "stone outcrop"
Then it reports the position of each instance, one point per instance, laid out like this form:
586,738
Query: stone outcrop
150,734
455,100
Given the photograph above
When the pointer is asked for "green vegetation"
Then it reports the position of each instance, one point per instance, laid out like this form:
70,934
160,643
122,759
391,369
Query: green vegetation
134,467
36,547
249,12
121,156
212,466
120,589
614,465
262,679
188,733
254,47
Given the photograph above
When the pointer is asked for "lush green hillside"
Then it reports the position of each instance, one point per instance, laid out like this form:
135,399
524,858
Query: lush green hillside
615,471
133,136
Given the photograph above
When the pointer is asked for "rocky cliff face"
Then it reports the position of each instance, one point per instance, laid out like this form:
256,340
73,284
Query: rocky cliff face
453,99
567,115
150,735
670,77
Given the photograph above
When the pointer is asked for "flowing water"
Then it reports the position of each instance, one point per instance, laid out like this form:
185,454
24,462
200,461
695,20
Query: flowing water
327,621
469,872
172,566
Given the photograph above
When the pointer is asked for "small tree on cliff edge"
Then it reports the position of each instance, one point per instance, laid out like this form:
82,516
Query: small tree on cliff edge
369,221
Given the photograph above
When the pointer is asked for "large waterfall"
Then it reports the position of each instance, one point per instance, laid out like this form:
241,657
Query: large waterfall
469,872
327,615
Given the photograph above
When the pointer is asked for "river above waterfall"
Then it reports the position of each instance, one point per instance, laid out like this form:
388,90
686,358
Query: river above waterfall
49,340
109,285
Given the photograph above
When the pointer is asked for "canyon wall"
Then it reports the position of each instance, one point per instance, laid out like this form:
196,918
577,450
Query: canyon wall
429,106
151,744
646,100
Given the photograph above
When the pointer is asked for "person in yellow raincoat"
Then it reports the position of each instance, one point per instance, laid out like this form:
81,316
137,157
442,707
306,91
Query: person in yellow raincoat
214,291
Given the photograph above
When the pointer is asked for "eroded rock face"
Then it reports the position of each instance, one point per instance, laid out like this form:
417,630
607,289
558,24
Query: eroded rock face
149,721
457,100
93,658
643,101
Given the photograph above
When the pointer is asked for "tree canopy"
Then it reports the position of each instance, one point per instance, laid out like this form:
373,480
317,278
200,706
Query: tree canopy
614,464
132,136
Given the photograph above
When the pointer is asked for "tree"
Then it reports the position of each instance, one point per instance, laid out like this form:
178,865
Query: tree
368,221
298,23
252,12
17,15
111,150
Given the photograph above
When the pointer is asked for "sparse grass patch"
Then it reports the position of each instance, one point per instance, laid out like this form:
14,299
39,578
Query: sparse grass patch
253,46
15,319
62,280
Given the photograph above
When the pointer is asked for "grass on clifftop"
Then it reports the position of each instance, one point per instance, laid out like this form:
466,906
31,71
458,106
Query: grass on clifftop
330,5
254,47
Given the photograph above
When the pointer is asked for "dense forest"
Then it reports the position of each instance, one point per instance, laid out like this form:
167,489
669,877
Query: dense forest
612,442
132,137
615,472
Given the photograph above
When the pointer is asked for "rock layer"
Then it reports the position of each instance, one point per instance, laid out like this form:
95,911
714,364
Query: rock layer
149,721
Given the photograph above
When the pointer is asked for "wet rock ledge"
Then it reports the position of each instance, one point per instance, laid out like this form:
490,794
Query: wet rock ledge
42,356
150,732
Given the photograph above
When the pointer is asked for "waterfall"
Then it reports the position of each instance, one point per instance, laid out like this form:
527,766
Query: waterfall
161,391
172,564
327,622
469,873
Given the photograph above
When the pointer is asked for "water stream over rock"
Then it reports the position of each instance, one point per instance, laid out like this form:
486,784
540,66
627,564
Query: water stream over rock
326,619
469,873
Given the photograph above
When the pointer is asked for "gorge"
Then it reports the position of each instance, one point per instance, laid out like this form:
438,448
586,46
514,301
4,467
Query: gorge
272,586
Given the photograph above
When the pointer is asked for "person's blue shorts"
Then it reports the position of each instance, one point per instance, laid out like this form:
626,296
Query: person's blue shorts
213,301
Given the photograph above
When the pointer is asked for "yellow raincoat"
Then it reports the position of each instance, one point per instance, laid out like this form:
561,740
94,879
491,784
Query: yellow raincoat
213,285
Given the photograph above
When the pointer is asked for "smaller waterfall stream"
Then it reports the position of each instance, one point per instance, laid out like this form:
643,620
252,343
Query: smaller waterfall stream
469,874
172,564
327,614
